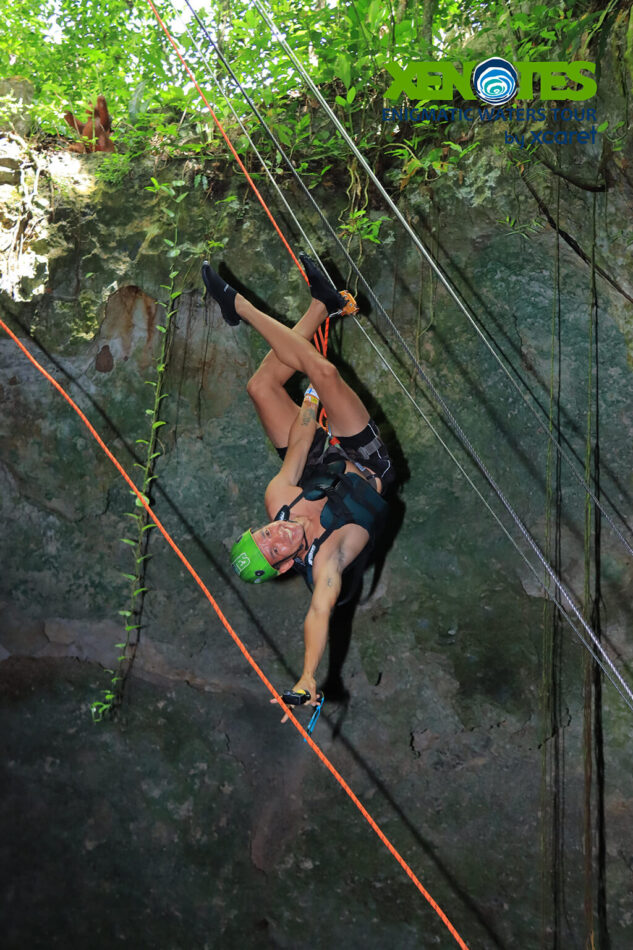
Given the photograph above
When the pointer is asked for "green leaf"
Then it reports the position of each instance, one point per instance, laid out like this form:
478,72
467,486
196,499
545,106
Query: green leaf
374,13
343,69
130,577
125,613
160,328
128,540
155,425
139,590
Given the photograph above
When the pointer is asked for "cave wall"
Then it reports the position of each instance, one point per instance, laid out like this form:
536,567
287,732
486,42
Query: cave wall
195,819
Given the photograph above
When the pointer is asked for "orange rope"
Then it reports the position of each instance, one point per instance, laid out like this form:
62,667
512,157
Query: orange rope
228,141
323,341
315,748
243,167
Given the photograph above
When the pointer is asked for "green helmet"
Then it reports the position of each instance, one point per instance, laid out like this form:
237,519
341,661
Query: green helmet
249,563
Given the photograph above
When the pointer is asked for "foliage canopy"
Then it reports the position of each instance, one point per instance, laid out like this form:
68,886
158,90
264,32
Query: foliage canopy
71,50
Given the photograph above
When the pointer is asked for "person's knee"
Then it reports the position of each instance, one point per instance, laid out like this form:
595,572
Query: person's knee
258,386
324,376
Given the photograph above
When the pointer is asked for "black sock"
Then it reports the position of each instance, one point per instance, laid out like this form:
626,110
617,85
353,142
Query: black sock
221,292
320,287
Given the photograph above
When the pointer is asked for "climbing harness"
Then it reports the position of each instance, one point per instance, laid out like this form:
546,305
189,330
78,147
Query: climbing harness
350,500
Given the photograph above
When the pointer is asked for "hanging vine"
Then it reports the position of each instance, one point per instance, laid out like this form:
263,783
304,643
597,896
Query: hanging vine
132,613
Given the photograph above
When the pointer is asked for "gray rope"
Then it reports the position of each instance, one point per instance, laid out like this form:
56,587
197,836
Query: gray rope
610,670
439,272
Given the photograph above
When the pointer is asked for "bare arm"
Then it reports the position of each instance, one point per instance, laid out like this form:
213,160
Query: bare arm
299,441
316,625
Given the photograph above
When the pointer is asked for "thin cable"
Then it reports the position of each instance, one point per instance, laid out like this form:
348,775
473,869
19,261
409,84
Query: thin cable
449,415
541,582
236,639
438,270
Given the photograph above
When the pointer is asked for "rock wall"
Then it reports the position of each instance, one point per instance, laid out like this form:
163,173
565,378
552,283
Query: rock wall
195,820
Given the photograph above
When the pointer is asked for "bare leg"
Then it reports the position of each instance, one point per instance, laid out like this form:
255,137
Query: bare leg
345,410
274,406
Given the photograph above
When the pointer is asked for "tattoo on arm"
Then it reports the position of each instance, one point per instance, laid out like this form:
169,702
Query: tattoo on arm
308,415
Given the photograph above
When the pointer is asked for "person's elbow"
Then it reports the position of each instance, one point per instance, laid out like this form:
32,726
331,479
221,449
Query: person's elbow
320,611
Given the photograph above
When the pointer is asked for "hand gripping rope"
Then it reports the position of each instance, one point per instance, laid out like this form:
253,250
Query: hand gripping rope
238,642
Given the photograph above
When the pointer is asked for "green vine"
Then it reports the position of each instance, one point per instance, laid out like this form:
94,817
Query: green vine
132,614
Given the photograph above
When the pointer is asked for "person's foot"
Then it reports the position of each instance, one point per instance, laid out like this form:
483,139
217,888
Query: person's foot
222,293
320,287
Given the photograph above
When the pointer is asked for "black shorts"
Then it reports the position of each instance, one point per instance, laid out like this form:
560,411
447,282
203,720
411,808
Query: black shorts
365,449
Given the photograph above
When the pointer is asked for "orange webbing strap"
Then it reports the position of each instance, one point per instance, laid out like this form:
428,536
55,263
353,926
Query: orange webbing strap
234,636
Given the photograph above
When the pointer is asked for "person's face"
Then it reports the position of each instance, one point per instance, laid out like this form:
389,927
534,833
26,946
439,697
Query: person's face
279,541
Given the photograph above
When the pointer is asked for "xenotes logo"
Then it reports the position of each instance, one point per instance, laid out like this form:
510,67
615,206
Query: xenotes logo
494,80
